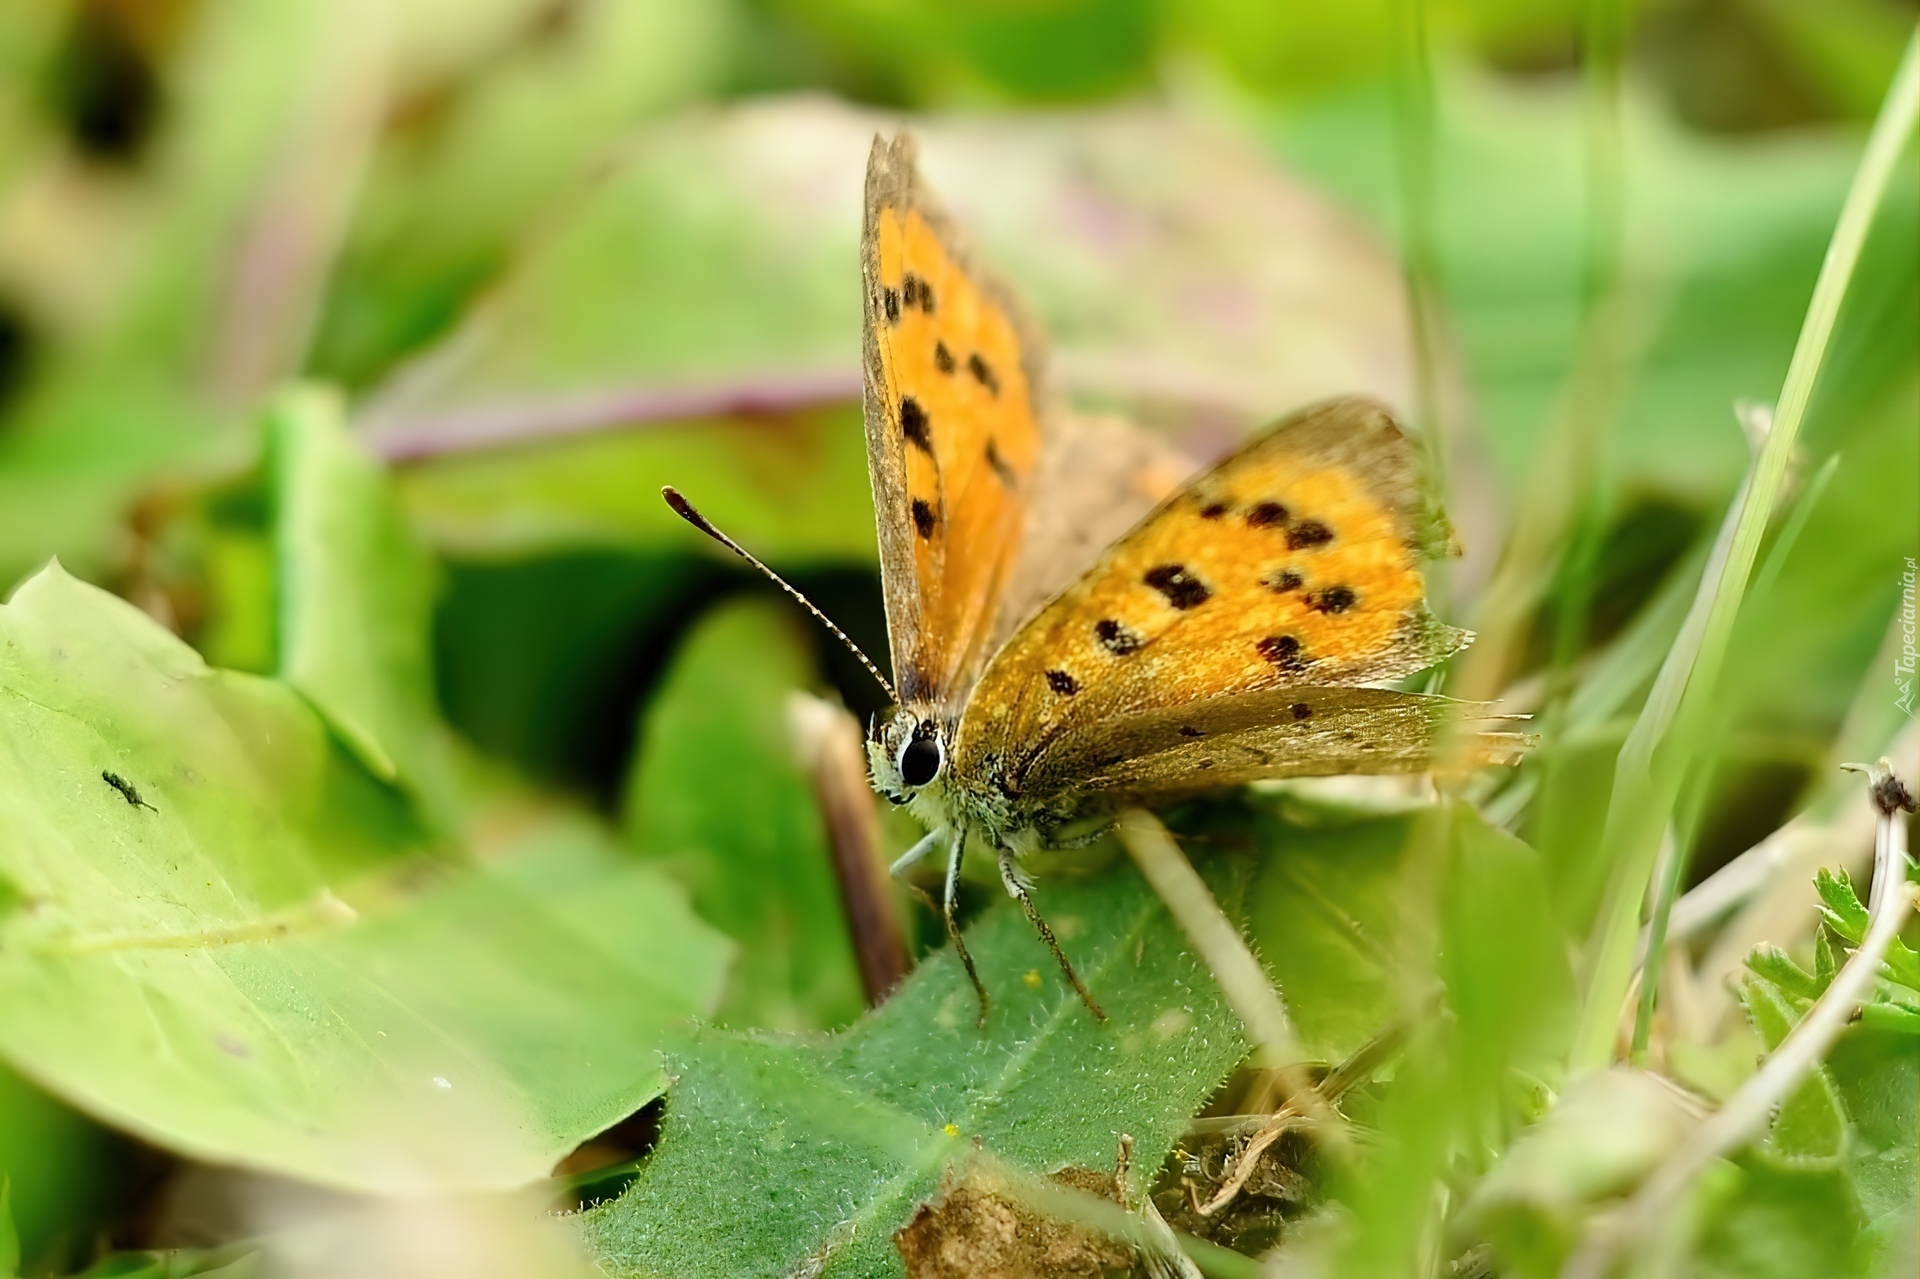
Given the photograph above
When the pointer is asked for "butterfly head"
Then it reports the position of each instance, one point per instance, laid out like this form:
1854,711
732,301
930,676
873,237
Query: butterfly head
907,750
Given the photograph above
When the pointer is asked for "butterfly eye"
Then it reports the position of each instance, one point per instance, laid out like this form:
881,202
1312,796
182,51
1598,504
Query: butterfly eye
920,760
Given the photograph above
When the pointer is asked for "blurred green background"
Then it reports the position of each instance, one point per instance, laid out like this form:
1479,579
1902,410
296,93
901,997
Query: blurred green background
555,253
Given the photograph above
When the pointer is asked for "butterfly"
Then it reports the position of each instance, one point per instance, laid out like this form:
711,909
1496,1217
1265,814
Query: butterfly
1236,632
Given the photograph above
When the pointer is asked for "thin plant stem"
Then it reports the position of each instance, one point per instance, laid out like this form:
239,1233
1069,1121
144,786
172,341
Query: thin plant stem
1806,1045
1646,776
1220,946
1672,871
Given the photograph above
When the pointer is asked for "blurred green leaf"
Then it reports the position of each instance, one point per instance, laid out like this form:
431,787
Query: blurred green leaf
1605,1132
503,128
58,1164
1810,1123
1877,1076
1336,904
794,488
1728,238
1325,916
718,796
783,1155
714,271
1784,1222
355,592
142,317
223,1263
9,1237
1778,967
188,970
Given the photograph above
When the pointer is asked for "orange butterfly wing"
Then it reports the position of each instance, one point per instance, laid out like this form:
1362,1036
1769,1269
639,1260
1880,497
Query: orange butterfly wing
1293,562
953,430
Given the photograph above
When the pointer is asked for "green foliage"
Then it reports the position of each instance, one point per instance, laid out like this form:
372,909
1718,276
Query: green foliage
189,970
558,254
9,1237
718,796
785,1154
355,599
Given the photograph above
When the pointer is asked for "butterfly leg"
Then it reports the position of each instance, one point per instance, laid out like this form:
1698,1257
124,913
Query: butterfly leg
1086,838
949,904
915,855
1018,887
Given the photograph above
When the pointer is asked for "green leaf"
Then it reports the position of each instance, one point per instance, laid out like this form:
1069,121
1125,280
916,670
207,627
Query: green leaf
224,1263
1843,911
794,489
1810,1123
1892,1017
356,598
1877,1075
1823,965
1772,1011
57,1162
1326,911
193,971
1785,1222
1606,1132
1336,900
718,796
1778,967
518,122
9,1237
780,1155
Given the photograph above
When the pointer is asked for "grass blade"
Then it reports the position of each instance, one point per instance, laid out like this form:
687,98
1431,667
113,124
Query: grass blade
1646,777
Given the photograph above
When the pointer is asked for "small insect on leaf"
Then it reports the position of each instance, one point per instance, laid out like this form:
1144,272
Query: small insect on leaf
127,791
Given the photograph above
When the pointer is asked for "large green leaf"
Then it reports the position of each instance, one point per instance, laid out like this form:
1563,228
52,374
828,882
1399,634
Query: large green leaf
785,1155
247,968
718,794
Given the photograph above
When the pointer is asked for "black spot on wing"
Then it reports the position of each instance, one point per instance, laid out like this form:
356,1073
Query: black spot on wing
917,292
1280,581
983,373
1282,650
1308,533
942,358
1301,710
1116,638
890,304
1266,515
999,465
1214,510
1188,730
915,426
1333,599
923,518
1182,589
1062,683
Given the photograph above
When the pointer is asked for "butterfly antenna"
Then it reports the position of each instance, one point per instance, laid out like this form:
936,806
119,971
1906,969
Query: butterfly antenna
686,511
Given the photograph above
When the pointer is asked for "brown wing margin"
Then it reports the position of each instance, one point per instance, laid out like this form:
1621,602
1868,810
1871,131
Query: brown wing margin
952,428
1291,732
